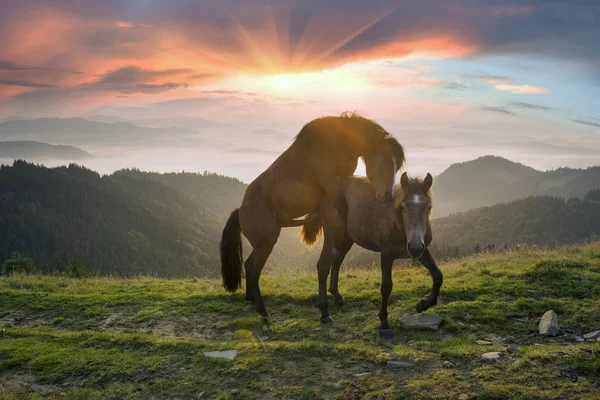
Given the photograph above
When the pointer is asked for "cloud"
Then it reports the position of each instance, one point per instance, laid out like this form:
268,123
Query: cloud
587,122
220,91
522,89
456,86
493,79
25,84
11,66
415,81
530,106
498,109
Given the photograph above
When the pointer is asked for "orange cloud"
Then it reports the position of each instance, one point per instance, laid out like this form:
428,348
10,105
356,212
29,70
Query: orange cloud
522,89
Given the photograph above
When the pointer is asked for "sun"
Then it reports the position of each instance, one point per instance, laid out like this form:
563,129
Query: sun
281,81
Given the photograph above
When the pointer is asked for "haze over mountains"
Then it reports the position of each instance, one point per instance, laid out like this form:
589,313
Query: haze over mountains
490,180
41,151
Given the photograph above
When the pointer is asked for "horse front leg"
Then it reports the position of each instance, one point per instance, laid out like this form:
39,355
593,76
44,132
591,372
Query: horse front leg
384,330
436,275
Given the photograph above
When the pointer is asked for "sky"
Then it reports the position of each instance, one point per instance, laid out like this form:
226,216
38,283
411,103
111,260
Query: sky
452,80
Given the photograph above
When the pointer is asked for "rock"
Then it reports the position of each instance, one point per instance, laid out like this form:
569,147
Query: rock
492,356
228,354
235,391
581,379
338,387
448,364
362,374
548,325
592,335
513,348
430,322
398,364
579,339
483,342
463,396
521,319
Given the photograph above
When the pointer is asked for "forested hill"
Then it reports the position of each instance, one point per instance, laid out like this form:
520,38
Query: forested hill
490,180
219,193
539,220
114,224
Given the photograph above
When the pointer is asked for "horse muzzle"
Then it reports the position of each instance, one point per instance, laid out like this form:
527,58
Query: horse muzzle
415,250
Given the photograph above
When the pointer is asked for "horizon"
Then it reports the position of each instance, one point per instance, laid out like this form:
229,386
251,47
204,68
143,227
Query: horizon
230,86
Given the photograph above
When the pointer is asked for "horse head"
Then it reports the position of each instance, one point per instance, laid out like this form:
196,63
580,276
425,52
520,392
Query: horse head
412,204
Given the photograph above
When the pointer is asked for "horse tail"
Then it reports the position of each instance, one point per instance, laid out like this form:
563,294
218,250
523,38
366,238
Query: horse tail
231,253
311,230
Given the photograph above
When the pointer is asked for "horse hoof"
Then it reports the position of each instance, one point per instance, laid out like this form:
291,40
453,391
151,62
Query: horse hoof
384,333
341,302
422,306
326,320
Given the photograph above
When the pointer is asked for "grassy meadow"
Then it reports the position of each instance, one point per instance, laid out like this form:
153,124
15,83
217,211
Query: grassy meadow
110,338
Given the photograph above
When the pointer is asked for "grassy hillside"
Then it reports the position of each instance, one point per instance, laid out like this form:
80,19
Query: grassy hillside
106,338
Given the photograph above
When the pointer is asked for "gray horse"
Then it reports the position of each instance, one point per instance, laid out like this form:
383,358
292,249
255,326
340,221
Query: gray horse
399,229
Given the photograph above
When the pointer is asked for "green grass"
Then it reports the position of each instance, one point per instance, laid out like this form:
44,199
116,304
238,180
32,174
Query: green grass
106,338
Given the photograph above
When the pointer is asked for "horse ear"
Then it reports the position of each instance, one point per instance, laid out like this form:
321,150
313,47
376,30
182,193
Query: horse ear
428,180
404,180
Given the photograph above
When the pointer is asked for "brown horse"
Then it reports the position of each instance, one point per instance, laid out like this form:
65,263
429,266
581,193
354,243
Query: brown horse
397,230
310,170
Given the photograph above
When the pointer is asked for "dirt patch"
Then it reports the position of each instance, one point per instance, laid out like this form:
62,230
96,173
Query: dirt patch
25,319
19,381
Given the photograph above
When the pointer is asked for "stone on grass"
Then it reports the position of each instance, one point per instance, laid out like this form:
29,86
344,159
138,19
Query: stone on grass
430,322
483,342
548,325
492,356
398,364
592,335
448,364
228,354
513,348
362,374
521,319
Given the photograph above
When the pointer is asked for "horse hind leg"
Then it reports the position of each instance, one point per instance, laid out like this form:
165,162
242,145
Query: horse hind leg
338,259
247,268
258,260
323,267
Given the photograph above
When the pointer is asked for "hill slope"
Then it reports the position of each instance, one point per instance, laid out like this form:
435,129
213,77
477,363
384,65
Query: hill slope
41,151
144,338
82,132
540,220
114,224
490,180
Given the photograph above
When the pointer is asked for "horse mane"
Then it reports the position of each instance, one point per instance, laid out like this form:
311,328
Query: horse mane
415,186
338,131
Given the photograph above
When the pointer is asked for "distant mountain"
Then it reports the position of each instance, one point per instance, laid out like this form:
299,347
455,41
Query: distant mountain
82,132
194,123
490,180
41,151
